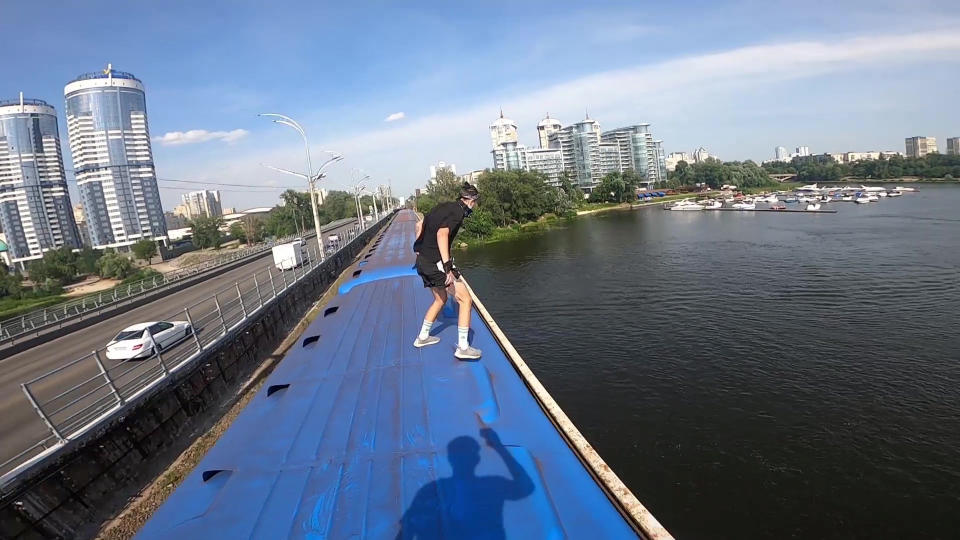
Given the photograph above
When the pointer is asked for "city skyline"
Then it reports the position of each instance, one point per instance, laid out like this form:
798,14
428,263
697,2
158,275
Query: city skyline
836,85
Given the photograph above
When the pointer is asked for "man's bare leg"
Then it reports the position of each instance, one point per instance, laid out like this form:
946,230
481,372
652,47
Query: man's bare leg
439,299
464,350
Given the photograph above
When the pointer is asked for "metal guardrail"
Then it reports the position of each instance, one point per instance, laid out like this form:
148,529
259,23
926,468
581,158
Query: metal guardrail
108,385
41,319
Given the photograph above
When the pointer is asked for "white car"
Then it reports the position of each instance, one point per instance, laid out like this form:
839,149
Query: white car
135,341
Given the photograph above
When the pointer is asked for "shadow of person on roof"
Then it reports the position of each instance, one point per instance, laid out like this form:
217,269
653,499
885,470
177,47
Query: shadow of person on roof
465,505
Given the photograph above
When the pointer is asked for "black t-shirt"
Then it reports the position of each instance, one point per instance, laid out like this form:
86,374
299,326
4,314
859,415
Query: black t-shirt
450,215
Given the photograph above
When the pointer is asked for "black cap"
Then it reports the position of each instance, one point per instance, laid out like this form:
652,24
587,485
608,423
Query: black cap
468,191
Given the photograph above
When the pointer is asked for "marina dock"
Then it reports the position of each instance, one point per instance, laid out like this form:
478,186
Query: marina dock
797,211
358,434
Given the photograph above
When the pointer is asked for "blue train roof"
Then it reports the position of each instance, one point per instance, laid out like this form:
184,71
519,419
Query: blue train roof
357,433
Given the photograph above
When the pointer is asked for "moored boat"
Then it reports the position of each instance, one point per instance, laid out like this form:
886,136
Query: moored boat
686,205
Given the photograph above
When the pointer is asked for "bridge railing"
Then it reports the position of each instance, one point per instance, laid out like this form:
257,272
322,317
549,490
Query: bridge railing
68,409
41,319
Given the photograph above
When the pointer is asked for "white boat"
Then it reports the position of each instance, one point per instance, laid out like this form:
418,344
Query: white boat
861,200
772,198
873,198
882,194
814,206
806,199
810,188
712,205
895,194
744,205
686,204
872,189
904,189
847,198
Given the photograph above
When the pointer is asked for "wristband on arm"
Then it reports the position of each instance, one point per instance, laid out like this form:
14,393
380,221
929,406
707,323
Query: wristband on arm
448,266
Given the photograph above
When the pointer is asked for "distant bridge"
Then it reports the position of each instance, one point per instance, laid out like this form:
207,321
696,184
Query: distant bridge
784,177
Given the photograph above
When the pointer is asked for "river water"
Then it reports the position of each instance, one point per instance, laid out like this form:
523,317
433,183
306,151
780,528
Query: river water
754,375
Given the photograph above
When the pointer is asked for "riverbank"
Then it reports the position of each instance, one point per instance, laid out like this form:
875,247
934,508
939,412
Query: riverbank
550,221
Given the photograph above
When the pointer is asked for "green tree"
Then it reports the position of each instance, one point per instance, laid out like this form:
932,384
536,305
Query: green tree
11,285
87,260
480,224
145,250
59,264
206,232
237,231
445,187
253,229
115,266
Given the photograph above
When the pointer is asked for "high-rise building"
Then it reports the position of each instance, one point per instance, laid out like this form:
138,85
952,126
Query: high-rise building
803,151
579,145
472,177
205,203
920,146
781,154
548,161
545,128
509,156
609,158
503,130
700,155
442,165
35,210
81,222
112,158
661,172
953,146
676,157
639,151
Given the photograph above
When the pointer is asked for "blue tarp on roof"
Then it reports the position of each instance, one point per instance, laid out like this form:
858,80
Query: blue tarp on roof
359,434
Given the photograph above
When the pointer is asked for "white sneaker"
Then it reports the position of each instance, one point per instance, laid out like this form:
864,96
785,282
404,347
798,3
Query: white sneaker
430,340
468,353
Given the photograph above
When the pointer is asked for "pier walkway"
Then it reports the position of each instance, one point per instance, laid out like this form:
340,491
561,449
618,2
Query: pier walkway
359,434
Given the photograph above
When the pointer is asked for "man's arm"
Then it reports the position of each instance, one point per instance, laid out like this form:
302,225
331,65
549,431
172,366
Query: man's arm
522,484
443,243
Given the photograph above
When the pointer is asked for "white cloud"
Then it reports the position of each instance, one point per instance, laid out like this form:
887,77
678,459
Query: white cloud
668,92
395,116
175,138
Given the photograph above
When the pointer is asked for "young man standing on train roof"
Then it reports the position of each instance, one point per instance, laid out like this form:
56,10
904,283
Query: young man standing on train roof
435,236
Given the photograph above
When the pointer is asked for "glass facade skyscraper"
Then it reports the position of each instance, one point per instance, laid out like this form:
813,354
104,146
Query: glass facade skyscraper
35,210
639,152
112,158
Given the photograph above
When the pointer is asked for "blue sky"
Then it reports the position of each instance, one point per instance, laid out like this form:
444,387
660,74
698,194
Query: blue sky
736,77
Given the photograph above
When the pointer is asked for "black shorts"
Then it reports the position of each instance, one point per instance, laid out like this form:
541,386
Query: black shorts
432,276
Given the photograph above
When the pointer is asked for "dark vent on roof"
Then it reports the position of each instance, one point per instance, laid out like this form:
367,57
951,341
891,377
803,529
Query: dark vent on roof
207,475
330,311
312,339
357,273
276,388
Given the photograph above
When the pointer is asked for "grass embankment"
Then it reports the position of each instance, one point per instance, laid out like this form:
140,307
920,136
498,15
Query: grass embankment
549,221
513,231
10,307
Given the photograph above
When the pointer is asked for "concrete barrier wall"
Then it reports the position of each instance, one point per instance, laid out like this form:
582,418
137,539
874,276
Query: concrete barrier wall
72,492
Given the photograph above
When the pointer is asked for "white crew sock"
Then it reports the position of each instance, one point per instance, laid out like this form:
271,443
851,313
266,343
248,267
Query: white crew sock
425,329
462,333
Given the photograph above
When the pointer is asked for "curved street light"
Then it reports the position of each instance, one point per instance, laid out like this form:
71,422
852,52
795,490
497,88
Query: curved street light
358,188
309,176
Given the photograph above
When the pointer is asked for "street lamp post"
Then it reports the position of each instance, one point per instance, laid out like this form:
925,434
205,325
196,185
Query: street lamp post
310,176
